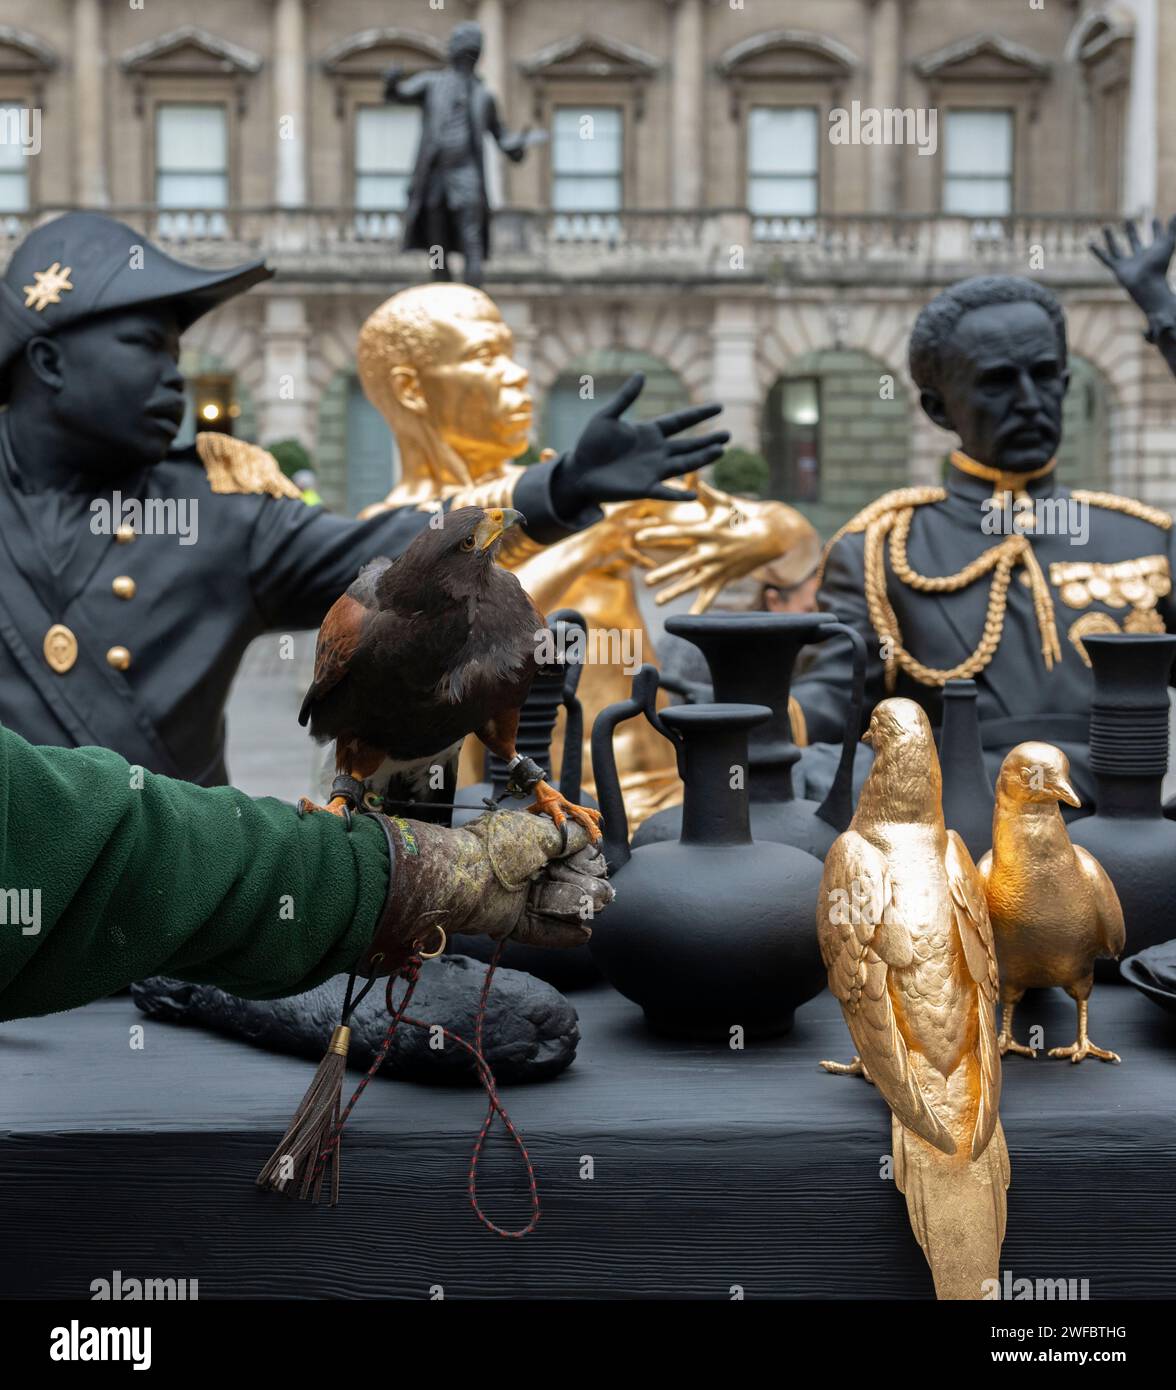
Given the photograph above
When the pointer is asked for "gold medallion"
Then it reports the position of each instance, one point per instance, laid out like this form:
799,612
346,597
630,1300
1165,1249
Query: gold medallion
61,648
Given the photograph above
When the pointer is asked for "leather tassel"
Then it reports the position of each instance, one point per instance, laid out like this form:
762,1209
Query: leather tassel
297,1157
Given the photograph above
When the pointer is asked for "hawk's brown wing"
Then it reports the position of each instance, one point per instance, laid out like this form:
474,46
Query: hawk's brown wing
338,639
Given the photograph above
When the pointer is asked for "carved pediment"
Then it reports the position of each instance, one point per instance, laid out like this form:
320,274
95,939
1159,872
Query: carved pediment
589,56
190,52
984,58
369,52
788,55
23,52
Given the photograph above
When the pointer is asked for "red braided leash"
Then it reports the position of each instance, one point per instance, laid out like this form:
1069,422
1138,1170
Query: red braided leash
410,972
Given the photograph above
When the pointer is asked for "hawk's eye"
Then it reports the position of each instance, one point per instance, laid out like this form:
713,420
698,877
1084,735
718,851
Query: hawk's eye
468,543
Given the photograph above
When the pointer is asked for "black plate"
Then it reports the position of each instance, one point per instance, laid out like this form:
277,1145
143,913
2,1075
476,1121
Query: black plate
1135,975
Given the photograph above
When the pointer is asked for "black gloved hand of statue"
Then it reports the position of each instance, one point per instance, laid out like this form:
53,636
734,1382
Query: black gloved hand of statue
1143,271
617,461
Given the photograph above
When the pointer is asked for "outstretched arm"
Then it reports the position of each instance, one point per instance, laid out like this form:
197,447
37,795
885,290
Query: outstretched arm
112,874
1143,273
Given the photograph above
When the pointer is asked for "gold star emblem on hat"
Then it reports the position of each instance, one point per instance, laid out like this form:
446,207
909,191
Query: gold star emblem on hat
49,287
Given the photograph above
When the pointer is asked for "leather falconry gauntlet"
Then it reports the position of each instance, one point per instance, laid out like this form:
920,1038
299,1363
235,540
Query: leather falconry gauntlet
506,874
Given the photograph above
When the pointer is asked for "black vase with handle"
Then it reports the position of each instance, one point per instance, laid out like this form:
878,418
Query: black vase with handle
712,931
554,686
968,797
1128,833
751,657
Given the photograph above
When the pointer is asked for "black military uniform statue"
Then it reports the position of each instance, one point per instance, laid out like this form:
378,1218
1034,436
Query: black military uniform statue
447,202
998,575
131,579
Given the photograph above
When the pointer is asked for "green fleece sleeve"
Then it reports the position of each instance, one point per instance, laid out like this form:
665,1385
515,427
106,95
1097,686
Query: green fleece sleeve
109,874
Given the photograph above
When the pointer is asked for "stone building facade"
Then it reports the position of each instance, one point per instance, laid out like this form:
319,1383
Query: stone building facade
711,204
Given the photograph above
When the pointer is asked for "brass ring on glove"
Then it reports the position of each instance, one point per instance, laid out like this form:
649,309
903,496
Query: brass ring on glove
432,955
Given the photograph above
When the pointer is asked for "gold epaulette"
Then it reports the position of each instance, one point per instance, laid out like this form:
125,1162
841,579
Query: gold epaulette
894,501
1128,505
233,465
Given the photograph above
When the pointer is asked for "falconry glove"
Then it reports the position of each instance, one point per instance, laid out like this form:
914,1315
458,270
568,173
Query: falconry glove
508,873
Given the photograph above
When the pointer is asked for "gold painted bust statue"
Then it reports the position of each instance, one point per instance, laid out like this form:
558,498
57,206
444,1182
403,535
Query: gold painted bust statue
436,361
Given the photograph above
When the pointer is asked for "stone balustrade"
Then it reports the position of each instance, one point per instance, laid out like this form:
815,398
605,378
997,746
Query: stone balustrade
682,244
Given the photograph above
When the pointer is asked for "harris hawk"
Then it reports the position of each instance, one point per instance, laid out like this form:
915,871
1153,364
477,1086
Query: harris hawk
422,651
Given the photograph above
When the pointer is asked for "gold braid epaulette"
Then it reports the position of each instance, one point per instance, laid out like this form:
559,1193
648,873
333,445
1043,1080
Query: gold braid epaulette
1128,505
233,466
891,516
880,506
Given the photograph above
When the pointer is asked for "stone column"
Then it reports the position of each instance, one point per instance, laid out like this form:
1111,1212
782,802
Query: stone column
290,111
734,378
687,95
491,15
284,403
885,91
89,68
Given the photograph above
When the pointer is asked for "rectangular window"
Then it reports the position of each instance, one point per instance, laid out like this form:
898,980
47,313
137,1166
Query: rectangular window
385,150
191,156
586,159
14,163
782,161
978,163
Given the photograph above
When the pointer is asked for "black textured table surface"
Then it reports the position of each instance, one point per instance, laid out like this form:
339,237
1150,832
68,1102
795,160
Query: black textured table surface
665,1168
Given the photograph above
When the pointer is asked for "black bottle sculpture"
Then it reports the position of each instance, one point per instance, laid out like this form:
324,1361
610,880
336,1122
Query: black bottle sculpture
967,793
751,656
713,931
1128,833
554,685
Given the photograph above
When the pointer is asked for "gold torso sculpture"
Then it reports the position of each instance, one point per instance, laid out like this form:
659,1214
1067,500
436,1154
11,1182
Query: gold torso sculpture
436,361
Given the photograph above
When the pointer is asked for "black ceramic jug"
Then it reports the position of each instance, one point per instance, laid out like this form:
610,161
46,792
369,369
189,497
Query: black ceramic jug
1128,833
554,685
967,793
712,931
751,656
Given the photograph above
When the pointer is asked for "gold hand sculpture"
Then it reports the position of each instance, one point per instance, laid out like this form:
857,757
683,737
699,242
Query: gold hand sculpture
1053,908
436,361
905,936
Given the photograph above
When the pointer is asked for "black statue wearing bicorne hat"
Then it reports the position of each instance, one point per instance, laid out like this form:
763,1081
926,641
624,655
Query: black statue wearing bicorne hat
1000,573
130,639
447,202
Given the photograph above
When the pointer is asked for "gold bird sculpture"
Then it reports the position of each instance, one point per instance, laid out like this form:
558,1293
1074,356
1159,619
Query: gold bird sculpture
1054,911
905,936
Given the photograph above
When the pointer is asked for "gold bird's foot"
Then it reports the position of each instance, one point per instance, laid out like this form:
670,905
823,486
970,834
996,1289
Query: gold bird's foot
1083,1048
335,807
1007,1043
550,802
855,1068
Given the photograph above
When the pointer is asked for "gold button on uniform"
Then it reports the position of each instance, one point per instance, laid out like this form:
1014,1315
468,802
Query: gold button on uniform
124,586
119,658
61,648
124,534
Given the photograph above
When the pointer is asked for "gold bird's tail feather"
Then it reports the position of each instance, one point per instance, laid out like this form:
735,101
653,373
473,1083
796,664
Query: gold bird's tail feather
957,1208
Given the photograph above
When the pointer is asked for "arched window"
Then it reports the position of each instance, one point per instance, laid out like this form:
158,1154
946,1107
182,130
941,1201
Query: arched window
357,460
582,388
836,434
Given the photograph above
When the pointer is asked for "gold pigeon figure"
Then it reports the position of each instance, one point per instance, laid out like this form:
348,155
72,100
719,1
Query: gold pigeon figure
905,936
1054,911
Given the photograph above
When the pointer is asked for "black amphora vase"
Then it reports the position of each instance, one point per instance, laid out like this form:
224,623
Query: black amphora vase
751,657
712,931
967,793
1128,833
554,686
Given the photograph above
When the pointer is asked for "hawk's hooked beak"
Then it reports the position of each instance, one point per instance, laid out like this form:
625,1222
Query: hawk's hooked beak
1065,792
495,520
